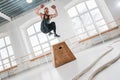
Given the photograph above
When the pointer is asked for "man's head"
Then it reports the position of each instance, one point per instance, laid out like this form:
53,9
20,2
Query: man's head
46,10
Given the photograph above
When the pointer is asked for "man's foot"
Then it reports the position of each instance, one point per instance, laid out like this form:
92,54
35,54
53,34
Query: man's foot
50,33
57,35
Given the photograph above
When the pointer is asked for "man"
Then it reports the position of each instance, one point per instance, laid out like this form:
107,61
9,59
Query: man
46,26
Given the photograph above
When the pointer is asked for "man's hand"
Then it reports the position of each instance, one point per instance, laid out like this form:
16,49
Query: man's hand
53,7
38,9
55,14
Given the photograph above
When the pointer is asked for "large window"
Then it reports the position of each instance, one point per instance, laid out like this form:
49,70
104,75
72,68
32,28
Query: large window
7,58
41,43
87,19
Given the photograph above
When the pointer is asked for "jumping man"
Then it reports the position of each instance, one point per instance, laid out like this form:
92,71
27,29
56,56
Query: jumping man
46,26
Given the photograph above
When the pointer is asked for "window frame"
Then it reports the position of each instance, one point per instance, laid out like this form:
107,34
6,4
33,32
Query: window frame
39,44
9,58
93,22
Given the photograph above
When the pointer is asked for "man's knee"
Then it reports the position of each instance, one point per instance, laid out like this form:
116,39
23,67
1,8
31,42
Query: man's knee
53,23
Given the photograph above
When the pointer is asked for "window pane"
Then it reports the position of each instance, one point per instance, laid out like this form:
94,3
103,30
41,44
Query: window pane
72,12
45,45
38,53
81,7
1,68
7,39
50,37
100,23
91,4
83,36
10,50
93,32
37,48
103,28
96,14
37,26
52,42
34,40
4,53
91,27
14,63
77,23
12,58
2,43
46,49
42,37
80,30
31,30
86,19
5,61
40,41
7,65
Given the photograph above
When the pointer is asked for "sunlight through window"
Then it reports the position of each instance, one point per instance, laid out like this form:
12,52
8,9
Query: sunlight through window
7,58
87,19
41,43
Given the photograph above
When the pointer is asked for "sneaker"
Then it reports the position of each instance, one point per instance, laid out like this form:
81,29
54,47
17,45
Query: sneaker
57,35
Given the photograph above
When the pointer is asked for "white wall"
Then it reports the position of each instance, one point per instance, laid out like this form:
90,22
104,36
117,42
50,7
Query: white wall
114,9
106,13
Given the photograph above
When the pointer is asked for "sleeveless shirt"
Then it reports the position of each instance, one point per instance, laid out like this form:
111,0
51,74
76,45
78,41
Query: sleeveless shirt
44,24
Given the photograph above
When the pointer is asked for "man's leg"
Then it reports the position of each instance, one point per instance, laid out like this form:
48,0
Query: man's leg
53,27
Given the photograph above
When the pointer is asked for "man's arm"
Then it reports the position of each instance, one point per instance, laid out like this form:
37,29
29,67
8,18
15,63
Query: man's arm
56,12
38,9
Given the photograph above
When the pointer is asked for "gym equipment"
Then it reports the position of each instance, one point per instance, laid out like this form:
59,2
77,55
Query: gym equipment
103,67
62,54
93,64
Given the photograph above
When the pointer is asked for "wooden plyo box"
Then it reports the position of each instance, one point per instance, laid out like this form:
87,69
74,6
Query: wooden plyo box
62,54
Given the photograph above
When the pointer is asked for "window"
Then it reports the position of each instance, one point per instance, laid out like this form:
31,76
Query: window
7,57
91,4
87,19
41,43
81,8
73,12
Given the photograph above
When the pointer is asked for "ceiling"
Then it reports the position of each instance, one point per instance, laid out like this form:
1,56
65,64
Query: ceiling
13,8
2,20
